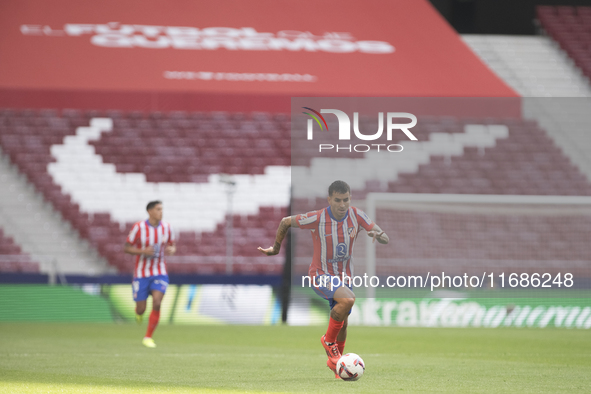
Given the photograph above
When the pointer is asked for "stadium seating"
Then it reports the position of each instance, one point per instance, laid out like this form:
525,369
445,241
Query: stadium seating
525,162
452,155
571,28
556,94
12,259
185,147
480,242
27,136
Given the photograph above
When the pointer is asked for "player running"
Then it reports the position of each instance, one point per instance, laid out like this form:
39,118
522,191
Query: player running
334,230
149,241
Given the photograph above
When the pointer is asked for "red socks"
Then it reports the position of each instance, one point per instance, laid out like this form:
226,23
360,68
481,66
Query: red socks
333,330
152,323
341,346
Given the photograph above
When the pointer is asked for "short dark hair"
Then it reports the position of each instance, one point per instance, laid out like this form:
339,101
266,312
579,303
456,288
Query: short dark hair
152,204
339,187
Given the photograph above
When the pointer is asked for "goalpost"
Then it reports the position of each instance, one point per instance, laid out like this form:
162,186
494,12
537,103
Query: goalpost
465,233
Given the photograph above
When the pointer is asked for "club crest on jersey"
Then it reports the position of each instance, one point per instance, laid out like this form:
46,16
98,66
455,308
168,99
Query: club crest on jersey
351,231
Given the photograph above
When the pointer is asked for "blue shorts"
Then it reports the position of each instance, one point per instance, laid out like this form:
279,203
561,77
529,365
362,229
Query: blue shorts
327,286
142,287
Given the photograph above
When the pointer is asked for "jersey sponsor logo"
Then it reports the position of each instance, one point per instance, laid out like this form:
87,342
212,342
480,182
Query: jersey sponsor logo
341,250
338,259
341,254
156,251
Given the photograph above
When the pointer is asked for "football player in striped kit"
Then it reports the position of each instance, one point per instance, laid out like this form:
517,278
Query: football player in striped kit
334,230
149,241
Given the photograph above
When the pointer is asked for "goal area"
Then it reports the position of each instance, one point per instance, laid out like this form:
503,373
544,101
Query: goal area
459,234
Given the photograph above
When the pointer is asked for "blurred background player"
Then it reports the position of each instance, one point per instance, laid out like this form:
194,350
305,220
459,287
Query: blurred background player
334,230
149,241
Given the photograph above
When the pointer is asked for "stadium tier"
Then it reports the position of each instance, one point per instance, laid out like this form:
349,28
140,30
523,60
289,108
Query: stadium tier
571,28
496,238
137,145
459,155
526,162
178,151
520,160
12,259
187,147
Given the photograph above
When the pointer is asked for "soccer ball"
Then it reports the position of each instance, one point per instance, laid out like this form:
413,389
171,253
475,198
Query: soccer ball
350,367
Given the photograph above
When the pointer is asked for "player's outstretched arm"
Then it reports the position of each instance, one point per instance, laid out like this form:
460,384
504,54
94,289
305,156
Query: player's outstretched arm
378,235
284,225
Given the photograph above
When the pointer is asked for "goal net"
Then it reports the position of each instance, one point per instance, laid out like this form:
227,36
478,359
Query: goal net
480,235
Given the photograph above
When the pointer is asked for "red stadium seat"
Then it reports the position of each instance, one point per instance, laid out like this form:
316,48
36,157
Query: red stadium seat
12,259
570,27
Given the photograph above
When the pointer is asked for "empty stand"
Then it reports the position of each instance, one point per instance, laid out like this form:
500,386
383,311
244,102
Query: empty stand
534,66
556,94
470,238
173,150
571,28
486,241
39,230
187,147
12,259
524,161
467,156
179,151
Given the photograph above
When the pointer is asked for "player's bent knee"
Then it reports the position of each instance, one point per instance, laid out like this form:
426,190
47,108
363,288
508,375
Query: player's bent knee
351,301
347,302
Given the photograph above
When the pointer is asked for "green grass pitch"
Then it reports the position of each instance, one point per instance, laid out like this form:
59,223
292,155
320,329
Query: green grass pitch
109,358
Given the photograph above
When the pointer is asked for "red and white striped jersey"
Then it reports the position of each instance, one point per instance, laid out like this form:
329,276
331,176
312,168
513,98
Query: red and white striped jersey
333,239
142,235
